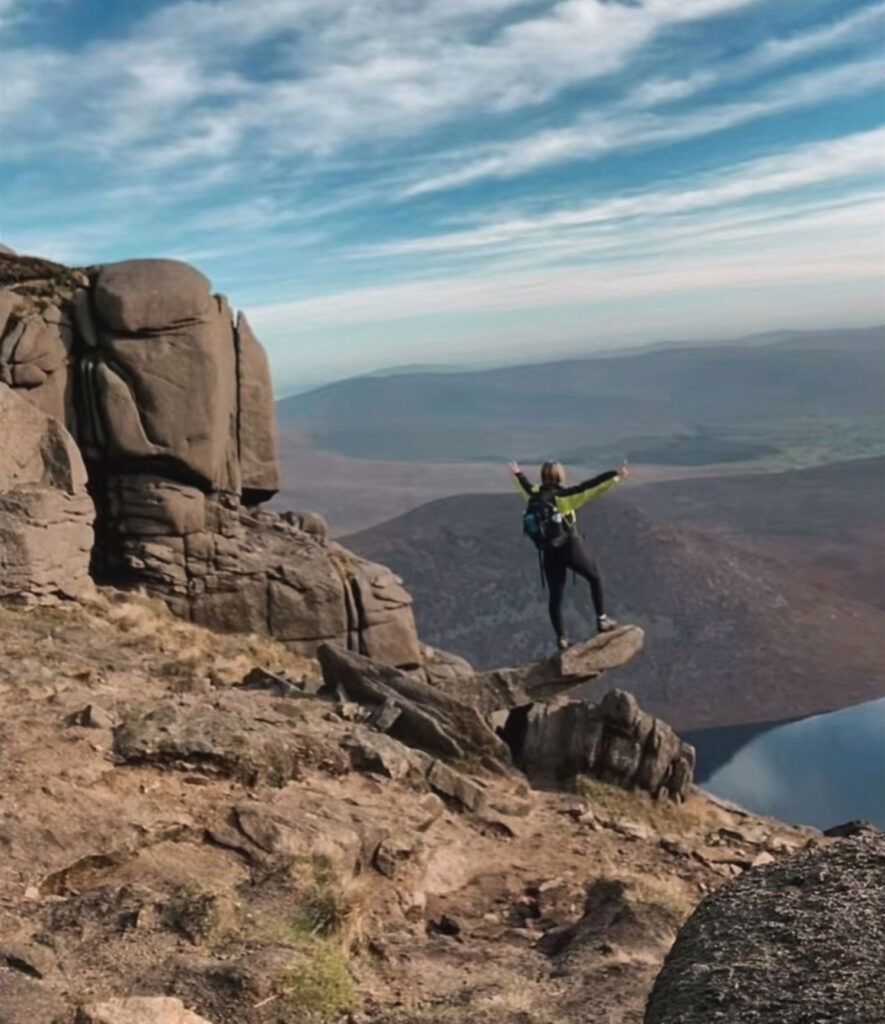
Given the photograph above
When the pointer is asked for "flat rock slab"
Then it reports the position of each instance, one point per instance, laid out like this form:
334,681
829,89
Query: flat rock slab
598,654
208,739
798,941
540,680
139,1010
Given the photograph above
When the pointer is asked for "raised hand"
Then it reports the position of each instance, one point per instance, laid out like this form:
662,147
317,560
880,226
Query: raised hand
624,470
513,467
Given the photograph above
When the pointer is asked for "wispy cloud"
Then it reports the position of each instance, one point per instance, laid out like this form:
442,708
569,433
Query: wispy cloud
581,286
13,12
383,161
369,71
768,54
630,127
860,154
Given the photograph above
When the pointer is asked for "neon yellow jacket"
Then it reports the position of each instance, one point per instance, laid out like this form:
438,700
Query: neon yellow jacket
569,499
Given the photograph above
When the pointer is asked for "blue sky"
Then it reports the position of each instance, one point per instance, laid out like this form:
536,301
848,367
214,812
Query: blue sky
380,182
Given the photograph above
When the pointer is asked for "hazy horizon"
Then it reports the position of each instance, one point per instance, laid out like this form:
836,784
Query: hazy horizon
567,355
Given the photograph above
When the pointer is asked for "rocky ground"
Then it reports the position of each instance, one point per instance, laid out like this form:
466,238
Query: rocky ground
260,852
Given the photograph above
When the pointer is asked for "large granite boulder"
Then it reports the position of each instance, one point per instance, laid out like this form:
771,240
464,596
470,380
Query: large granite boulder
160,385
171,404
46,513
614,740
797,941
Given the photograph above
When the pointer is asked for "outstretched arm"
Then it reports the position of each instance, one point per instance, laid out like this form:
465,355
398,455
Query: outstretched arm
520,480
570,499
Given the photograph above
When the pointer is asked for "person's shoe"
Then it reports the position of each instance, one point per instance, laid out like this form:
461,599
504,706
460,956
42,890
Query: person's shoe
605,625
563,643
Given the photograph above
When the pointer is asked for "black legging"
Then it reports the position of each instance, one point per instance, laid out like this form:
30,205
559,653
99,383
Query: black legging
557,562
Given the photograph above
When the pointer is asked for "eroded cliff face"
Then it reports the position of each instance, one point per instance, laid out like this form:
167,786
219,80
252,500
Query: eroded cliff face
169,399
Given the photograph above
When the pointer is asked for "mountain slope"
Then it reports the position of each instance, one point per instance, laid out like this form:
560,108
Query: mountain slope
732,635
826,522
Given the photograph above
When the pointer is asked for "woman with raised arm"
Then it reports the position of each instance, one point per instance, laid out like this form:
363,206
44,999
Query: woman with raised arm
552,523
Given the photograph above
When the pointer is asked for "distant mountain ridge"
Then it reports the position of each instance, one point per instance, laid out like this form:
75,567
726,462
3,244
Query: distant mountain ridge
754,393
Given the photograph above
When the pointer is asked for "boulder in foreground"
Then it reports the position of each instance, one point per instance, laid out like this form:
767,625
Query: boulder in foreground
794,942
139,1010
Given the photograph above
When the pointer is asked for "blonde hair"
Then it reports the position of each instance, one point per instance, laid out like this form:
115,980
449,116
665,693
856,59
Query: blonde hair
553,473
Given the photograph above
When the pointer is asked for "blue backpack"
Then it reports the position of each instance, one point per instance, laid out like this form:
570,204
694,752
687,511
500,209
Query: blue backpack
543,523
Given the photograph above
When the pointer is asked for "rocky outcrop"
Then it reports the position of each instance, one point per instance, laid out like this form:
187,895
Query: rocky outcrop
37,332
412,711
614,740
45,512
796,941
170,402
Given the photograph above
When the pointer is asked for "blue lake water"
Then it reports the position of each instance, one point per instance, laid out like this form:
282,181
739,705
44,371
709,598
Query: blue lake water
816,771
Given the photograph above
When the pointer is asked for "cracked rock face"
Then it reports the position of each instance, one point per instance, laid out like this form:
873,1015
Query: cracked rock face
614,740
169,399
46,514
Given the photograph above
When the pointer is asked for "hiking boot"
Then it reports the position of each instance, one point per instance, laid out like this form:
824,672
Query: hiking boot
563,643
605,625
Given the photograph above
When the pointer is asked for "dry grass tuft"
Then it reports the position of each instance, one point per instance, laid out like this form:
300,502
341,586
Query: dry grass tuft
612,802
138,626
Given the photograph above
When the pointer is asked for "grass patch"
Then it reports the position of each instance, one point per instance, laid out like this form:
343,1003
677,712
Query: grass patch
320,906
669,893
317,988
328,906
129,629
